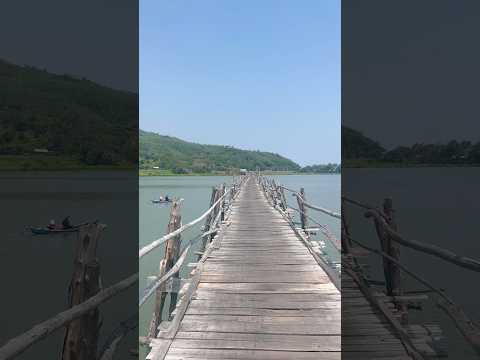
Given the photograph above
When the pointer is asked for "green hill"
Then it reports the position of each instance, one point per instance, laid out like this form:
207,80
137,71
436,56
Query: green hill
357,146
72,118
181,156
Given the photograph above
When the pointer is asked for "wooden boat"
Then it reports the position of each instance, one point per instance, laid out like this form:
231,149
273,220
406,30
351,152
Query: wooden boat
47,230
161,201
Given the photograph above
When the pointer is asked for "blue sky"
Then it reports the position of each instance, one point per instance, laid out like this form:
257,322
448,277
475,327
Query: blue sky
259,75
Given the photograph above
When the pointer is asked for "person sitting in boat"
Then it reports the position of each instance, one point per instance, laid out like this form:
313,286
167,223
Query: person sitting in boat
51,225
167,198
160,198
66,223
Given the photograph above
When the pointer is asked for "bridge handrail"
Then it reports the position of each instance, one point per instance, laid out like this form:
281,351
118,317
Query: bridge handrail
19,344
149,290
444,254
154,244
313,207
328,235
469,329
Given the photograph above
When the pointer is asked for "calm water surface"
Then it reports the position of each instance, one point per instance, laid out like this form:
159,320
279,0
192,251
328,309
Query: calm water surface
36,270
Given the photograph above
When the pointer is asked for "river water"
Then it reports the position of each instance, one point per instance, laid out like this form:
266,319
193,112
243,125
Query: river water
323,190
433,205
36,270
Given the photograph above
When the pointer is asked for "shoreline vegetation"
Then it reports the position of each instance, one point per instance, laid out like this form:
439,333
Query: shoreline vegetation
146,173
161,155
359,151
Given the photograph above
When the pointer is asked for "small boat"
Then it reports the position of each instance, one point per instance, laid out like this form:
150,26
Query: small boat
46,230
161,201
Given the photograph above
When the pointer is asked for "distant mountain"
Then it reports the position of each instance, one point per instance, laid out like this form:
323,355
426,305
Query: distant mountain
68,116
179,156
357,146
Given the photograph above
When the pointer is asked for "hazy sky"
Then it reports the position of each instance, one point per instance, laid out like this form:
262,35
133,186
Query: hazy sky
252,74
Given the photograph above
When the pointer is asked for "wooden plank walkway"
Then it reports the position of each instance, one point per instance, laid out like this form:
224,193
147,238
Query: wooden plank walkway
261,294
366,333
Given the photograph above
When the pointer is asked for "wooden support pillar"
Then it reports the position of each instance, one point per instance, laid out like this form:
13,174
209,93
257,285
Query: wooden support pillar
284,199
81,337
302,208
346,242
393,250
210,218
222,203
172,251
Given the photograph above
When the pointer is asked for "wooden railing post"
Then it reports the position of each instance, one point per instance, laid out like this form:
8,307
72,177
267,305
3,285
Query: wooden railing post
81,337
284,199
172,250
393,280
222,205
392,249
301,207
214,197
346,242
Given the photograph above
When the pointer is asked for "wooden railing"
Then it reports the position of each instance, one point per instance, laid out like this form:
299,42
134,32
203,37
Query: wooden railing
167,281
390,240
275,194
82,318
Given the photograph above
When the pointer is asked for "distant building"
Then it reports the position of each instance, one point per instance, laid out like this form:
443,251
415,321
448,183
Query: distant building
156,167
243,171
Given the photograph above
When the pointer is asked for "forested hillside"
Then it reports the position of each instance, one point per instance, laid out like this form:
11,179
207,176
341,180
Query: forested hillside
70,117
181,156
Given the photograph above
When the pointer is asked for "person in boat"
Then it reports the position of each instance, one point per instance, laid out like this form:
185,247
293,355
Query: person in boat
51,225
66,223
160,198
167,198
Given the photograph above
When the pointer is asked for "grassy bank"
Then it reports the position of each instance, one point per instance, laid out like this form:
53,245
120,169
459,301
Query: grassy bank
155,172
51,163
362,163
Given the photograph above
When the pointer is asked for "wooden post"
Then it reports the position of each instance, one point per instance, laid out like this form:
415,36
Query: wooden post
274,193
210,217
222,205
301,207
284,199
346,242
172,250
393,250
81,337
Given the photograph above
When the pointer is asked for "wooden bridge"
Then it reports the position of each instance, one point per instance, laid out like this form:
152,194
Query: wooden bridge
259,294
